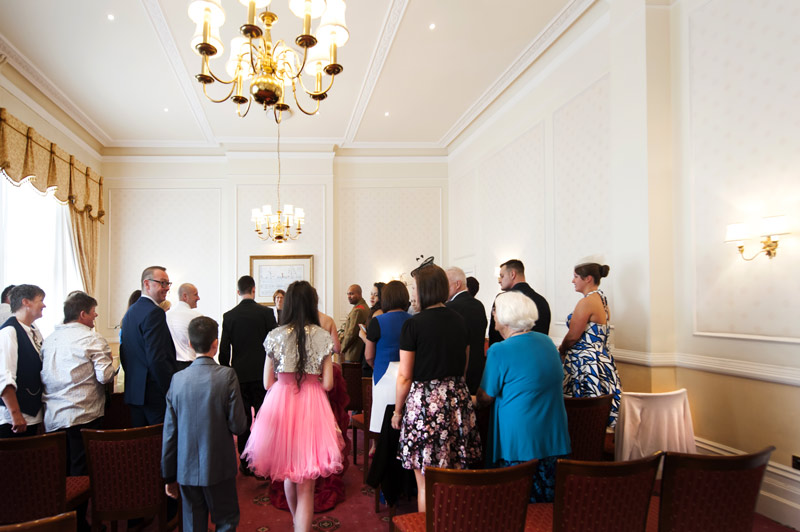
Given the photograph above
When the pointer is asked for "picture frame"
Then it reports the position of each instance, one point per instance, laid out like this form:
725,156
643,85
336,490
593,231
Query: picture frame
277,272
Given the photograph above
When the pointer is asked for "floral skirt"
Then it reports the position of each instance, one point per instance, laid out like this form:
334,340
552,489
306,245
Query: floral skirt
439,427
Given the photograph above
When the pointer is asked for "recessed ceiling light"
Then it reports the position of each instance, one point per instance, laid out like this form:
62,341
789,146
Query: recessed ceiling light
166,109
110,16
432,26
386,113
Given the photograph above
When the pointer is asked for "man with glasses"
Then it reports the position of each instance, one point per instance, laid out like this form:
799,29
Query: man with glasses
147,352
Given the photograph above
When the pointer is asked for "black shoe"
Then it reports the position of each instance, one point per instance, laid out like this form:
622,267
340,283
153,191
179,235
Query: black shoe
245,470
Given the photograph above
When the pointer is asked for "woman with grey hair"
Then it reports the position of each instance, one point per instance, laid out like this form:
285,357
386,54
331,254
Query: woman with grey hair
522,382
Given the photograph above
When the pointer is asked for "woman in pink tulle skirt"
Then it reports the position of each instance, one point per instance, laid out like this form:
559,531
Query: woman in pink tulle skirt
295,437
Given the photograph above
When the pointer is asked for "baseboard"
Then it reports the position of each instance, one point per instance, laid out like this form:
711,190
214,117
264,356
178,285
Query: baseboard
780,492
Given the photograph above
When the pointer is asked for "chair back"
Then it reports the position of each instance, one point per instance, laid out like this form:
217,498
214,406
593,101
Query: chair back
125,472
603,496
650,422
366,400
34,477
351,371
711,493
66,522
587,418
485,500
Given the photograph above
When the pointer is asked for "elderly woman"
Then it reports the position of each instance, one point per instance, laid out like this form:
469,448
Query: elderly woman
589,369
522,382
433,411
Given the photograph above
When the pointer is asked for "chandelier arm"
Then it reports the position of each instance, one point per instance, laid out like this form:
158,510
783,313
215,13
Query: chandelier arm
301,107
217,101
255,50
249,102
312,93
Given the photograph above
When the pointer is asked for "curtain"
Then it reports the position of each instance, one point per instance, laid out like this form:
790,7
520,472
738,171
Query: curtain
25,154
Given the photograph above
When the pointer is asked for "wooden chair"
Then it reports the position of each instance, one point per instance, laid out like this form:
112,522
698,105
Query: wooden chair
362,421
351,371
35,482
587,418
484,500
710,493
66,522
598,497
125,471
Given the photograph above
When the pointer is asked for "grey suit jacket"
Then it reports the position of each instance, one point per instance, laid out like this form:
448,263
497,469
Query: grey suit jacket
204,410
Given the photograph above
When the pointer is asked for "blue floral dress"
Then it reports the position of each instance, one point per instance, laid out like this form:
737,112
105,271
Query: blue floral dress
589,369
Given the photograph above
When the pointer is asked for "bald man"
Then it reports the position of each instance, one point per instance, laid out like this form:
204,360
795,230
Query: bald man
178,318
352,345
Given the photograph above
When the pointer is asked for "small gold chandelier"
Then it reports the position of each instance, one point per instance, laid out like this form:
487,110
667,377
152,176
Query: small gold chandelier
286,224
267,70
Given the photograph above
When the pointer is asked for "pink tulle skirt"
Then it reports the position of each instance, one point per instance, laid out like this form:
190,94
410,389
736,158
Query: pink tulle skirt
295,434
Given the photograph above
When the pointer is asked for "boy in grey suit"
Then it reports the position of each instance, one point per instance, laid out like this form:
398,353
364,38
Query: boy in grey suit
204,410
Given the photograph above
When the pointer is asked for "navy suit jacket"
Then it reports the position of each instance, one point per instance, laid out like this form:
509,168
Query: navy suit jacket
244,328
147,353
542,324
204,410
474,314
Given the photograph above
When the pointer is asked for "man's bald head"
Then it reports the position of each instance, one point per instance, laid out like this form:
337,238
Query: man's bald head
354,294
187,293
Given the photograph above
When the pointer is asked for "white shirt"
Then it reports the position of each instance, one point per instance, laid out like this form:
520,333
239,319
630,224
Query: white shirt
5,312
76,362
178,318
8,367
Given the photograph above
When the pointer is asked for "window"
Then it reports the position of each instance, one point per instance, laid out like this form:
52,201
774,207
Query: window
36,247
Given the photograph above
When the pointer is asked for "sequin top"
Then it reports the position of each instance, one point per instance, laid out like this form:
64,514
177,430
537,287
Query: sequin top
281,348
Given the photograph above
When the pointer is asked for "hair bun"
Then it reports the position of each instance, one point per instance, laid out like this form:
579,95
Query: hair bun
604,270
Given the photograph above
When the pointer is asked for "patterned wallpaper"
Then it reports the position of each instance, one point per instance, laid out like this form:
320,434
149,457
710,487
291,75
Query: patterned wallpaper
744,126
381,231
582,177
177,229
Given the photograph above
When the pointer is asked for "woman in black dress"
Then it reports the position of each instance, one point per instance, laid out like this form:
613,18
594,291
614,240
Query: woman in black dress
433,407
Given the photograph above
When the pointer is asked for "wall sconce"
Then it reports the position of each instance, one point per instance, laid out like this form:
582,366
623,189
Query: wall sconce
771,228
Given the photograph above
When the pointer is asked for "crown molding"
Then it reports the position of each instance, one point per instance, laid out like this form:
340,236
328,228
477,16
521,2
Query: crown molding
560,24
411,159
182,76
390,26
165,159
42,112
393,145
24,66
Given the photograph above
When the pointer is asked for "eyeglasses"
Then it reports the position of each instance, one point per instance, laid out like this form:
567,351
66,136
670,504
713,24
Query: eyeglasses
164,284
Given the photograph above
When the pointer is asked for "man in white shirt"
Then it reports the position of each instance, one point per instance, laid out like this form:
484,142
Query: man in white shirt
76,364
178,318
21,364
5,307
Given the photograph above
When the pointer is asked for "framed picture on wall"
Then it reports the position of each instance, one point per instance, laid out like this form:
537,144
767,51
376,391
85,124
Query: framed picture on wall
277,272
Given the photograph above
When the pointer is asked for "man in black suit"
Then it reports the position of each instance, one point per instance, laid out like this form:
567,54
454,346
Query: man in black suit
245,327
147,352
474,314
512,277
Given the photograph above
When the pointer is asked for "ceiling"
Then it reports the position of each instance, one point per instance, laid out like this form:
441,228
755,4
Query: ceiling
130,82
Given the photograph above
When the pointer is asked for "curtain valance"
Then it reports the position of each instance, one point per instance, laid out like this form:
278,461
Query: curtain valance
24,153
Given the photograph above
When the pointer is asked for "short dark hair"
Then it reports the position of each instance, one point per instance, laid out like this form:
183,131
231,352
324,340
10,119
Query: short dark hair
6,292
76,303
134,297
596,271
278,291
23,291
245,284
394,295
473,285
514,264
148,272
202,333
432,286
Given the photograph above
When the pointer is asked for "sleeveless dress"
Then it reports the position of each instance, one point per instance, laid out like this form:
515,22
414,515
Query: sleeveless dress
589,369
295,434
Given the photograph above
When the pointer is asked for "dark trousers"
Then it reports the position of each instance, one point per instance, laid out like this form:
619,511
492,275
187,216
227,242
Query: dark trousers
183,364
76,454
252,396
220,500
152,411
6,432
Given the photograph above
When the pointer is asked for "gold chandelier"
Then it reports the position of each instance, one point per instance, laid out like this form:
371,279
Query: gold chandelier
286,224
264,71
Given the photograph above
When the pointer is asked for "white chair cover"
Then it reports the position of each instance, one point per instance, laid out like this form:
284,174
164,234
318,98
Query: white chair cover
650,422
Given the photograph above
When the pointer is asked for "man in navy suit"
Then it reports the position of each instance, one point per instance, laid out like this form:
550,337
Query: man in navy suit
474,314
204,411
147,352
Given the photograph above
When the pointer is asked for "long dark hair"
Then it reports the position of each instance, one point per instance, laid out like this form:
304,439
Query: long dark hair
300,310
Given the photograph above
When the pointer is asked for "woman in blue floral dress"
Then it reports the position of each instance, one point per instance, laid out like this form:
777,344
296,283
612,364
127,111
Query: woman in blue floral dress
589,369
